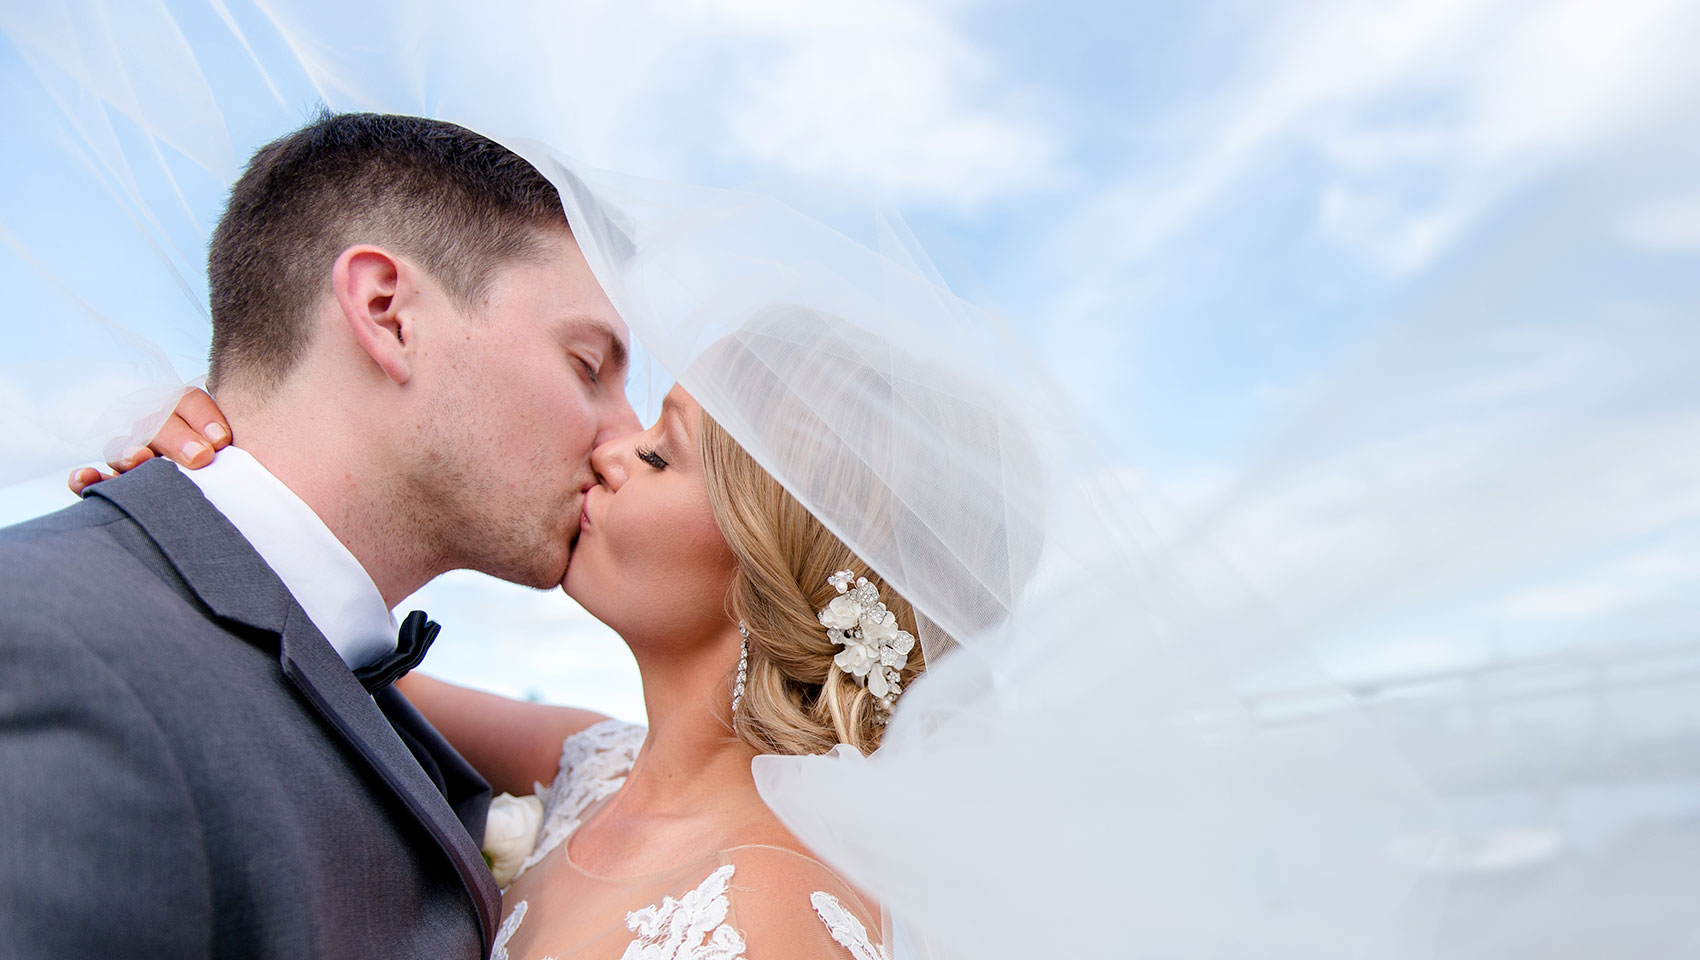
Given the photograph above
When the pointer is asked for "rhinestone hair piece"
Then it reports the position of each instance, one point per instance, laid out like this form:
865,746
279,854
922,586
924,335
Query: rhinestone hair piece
875,649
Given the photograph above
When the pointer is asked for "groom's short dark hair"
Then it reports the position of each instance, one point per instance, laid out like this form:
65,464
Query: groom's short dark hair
458,203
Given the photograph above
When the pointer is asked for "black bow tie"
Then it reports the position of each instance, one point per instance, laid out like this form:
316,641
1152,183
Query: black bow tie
415,638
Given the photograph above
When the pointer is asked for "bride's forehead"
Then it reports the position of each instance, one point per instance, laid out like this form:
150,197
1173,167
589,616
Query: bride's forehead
679,397
679,402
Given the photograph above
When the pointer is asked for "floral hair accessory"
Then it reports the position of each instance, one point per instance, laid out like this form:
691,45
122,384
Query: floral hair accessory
875,650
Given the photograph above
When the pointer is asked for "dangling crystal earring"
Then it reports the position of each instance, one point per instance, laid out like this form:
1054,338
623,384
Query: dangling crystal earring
743,665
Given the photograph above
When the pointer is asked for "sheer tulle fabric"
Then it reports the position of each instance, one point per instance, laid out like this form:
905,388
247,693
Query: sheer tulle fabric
1117,750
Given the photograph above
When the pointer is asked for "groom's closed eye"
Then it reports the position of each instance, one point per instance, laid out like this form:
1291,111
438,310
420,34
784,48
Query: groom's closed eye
600,337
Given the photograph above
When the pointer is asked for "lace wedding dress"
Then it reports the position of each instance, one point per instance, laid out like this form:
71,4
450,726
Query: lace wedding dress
745,901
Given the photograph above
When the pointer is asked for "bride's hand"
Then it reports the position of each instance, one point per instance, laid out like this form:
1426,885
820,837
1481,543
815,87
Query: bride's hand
195,430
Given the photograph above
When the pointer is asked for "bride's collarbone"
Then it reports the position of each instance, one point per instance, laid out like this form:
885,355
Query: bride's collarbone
619,843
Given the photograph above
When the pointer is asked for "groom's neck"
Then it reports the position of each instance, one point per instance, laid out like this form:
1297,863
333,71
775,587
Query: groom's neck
314,454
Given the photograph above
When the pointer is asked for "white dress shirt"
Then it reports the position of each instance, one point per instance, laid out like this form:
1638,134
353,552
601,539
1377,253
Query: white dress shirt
335,590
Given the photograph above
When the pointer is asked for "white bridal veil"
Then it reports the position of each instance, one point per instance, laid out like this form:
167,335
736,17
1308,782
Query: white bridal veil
1119,748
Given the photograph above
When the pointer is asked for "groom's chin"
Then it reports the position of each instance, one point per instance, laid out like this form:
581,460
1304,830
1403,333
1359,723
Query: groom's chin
572,552
543,568
572,584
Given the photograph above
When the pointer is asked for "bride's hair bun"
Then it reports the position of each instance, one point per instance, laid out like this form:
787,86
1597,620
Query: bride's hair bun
917,466
795,700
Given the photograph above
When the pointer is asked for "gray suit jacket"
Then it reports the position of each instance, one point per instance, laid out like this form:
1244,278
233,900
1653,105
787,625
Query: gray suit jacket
188,769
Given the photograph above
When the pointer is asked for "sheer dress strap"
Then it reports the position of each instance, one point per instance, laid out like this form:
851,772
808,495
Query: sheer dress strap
594,764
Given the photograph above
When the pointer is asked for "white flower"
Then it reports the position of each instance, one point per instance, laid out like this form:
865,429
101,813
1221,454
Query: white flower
877,683
856,658
510,833
875,649
881,631
842,613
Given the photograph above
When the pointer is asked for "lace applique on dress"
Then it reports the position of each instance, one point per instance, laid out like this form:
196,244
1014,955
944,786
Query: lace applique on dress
499,949
844,927
691,928
594,763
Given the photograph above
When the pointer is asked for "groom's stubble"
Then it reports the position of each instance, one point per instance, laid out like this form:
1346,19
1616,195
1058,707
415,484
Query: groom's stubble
536,383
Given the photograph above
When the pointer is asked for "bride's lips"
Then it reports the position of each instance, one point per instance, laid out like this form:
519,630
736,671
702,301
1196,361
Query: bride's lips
584,511
583,521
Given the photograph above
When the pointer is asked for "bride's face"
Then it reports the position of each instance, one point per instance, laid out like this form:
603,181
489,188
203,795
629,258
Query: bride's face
650,561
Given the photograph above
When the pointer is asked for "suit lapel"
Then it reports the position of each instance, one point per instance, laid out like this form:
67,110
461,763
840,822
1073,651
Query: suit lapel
316,670
222,569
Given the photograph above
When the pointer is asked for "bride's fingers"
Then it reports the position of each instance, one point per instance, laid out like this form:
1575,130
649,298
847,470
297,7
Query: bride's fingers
202,415
195,430
84,477
132,458
183,443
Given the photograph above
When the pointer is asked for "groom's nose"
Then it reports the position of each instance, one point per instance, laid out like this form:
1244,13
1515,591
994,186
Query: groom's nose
618,422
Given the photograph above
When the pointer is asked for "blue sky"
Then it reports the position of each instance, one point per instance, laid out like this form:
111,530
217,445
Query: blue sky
1393,304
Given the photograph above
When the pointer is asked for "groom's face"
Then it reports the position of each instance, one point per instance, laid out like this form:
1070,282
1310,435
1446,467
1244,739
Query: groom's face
522,392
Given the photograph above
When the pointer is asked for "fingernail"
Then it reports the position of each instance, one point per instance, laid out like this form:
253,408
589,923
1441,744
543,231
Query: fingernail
216,433
134,454
193,449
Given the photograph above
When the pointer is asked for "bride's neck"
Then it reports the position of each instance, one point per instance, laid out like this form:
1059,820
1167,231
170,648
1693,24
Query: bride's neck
691,751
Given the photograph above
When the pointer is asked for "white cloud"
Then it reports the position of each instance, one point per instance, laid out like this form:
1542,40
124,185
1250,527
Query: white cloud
1666,571
1475,465
1567,602
884,95
1407,122
1670,223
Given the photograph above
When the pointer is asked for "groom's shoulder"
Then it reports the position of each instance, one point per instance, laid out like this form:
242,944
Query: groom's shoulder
45,531
98,522
89,554
54,541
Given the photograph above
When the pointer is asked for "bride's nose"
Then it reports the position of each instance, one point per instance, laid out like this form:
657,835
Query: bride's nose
611,461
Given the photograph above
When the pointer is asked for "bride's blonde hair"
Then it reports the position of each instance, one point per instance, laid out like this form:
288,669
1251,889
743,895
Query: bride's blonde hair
795,700
791,364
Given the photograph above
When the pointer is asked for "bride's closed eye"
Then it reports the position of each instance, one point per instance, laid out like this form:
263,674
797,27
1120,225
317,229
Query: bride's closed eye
652,458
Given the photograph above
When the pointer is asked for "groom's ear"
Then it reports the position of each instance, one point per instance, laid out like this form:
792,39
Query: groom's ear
367,280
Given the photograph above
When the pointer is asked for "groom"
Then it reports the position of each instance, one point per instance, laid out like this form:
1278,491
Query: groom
201,754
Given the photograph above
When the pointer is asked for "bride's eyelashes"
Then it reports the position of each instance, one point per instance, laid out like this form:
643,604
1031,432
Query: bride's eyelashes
652,458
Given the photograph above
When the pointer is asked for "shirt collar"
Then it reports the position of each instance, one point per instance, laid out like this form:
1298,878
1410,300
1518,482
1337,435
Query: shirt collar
332,587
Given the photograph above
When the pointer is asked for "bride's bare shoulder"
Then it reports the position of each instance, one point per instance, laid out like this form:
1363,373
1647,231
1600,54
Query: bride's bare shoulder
786,903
